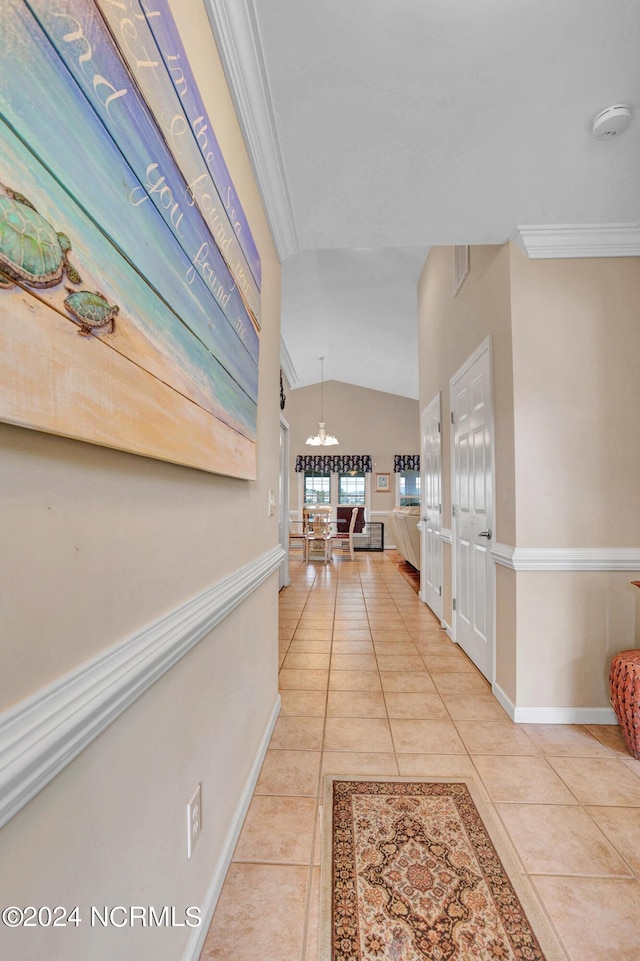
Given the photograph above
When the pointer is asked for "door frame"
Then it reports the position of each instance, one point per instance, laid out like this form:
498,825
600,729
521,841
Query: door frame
484,347
283,502
437,609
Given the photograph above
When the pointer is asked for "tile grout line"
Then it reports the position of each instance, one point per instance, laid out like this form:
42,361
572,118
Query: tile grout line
317,826
371,583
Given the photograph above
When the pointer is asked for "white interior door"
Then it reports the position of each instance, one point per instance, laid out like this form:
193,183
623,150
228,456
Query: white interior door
472,497
283,502
431,500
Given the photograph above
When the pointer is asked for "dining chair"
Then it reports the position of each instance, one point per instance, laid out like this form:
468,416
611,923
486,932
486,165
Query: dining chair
317,527
348,535
296,533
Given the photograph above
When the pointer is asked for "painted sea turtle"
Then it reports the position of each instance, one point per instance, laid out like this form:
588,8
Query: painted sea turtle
31,251
92,310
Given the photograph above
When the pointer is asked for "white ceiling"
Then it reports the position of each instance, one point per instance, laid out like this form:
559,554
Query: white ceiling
349,306
379,129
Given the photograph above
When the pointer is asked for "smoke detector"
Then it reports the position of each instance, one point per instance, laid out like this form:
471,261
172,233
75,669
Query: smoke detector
611,122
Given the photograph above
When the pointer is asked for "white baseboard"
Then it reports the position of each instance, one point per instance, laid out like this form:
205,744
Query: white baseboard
448,630
40,735
503,700
210,900
554,715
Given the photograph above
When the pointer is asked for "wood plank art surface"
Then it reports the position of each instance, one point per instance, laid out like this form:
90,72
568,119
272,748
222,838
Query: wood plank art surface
129,280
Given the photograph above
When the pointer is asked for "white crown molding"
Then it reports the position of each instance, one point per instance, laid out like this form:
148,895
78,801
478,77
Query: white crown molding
567,558
445,535
553,715
286,363
578,240
235,26
40,735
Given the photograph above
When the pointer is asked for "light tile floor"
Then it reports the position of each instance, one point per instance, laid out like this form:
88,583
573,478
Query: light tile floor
371,685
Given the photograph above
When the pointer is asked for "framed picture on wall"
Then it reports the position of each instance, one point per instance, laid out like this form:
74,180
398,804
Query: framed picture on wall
130,303
383,483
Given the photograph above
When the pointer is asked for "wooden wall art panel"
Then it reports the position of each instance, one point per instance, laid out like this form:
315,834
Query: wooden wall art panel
129,279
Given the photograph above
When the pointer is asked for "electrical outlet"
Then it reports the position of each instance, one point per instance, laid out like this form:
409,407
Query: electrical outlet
194,820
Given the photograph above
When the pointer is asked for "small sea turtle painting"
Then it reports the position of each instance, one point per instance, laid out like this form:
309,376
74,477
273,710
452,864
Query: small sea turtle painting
92,311
31,251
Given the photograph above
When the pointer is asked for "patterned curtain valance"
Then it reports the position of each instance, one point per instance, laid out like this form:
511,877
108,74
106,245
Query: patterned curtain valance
334,463
405,462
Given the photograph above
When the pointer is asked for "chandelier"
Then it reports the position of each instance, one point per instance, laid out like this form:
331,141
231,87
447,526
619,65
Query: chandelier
321,439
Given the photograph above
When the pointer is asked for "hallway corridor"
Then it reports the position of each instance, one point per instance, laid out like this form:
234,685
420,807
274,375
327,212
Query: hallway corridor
371,685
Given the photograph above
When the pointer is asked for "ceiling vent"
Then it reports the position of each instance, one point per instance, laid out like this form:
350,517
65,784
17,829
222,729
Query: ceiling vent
611,122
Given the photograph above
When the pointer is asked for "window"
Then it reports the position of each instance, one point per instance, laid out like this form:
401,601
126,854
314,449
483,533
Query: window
317,487
409,488
351,488
346,487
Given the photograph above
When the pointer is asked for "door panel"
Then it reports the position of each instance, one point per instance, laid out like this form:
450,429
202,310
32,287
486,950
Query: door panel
464,500
472,495
431,514
479,472
283,503
480,591
464,602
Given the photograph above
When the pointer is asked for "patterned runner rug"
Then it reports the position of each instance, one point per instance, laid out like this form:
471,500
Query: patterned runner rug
420,871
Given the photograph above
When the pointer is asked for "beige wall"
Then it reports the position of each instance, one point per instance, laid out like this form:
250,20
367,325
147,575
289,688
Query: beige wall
450,329
364,421
96,544
570,624
566,346
576,363
576,348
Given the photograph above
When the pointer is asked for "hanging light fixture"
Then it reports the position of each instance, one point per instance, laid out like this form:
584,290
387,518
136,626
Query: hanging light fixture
321,439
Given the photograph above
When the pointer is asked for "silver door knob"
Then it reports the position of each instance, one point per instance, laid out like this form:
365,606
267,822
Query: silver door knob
488,534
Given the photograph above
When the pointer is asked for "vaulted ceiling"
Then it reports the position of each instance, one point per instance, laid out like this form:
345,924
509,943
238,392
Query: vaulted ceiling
378,130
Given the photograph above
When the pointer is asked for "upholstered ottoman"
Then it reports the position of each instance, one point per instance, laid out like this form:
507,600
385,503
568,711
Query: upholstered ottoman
624,685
